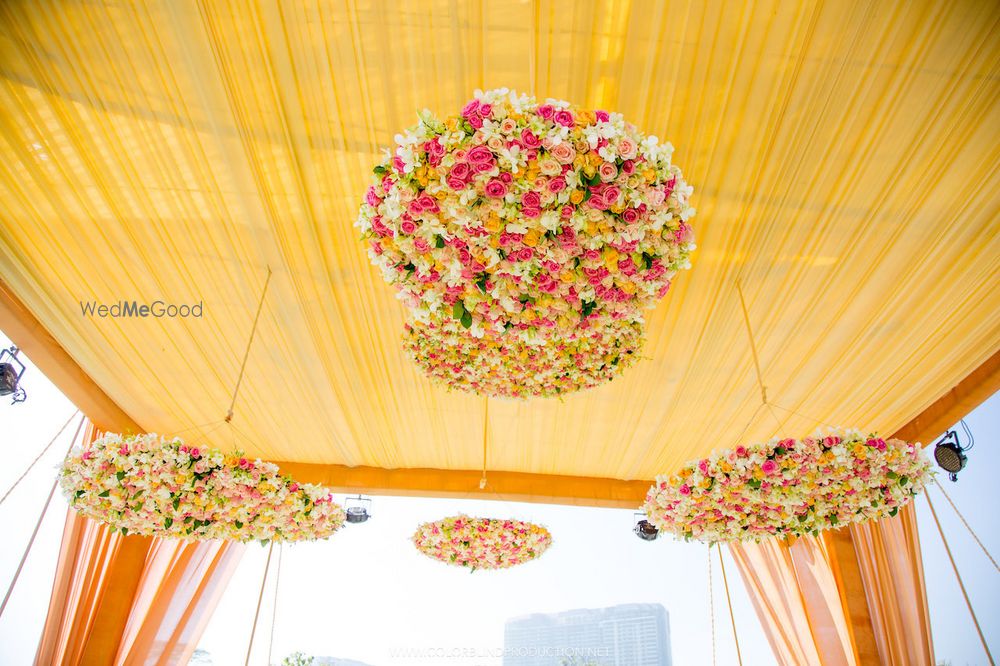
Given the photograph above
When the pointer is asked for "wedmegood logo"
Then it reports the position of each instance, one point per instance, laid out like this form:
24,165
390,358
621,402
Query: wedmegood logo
128,309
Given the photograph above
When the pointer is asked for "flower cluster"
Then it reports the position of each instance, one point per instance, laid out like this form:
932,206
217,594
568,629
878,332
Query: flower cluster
527,221
788,487
530,216
482,543
154,486
497,365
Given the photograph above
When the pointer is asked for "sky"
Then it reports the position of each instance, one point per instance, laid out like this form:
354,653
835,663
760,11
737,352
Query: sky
366,594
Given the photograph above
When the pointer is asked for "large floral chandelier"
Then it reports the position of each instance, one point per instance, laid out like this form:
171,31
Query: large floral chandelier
523,222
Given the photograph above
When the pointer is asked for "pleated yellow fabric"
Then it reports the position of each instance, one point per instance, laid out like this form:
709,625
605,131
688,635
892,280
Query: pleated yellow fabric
844,156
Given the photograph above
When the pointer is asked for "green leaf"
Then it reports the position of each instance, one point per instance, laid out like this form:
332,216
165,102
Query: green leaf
124,531
466,320
893,511
168,522
138,493
586,307
481,281
779,450
379,170
458,309
647,260
903,480
239,525
120,475
438,242
176,502
104,494
834,520
892,475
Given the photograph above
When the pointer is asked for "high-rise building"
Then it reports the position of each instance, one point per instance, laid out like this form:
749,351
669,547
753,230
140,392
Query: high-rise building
626,635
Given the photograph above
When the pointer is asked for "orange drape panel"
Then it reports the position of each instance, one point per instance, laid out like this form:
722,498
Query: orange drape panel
131,600
796,590
180,587
893,575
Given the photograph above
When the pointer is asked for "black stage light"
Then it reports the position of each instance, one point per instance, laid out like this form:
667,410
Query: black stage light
950,454
11,370
358,509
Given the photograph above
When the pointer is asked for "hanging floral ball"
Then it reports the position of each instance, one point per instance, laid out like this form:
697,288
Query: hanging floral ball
482,543
788,487
527,217
506,367
154,486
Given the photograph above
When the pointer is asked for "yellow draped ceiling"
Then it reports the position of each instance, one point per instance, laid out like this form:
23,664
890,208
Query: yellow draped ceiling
844,154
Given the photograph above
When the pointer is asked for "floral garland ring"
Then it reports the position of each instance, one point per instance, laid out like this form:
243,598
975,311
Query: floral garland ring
502,366
155,486
527,216
481,543
788,487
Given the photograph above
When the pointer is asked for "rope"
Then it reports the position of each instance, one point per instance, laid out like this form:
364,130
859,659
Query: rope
965,595
486,431
274,607
711,602
729,602
753,345
246,354
38,457
967,526
38,525
260,597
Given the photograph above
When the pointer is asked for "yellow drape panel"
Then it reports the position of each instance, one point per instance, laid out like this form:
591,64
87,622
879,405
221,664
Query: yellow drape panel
798,593
844,156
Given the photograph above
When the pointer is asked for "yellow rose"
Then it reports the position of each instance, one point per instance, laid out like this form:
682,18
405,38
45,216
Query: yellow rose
576,197
531,238
629,288
567,276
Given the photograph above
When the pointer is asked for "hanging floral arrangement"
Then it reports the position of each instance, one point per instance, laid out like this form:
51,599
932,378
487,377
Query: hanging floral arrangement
788,487
155,486
527,219
482,543
506,367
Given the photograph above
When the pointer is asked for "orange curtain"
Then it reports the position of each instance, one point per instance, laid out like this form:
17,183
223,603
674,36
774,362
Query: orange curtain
131,600
804,594
180,587
892,572
794,591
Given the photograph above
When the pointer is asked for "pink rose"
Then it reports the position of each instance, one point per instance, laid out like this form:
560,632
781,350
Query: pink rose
557,184
460,171
611,194
741,451
480,154
531,200
685,489
563,117
628,167
626,148
483,167
455,183
496,189
546,111
630,215
407,227
602,116
529,140
485,109
608,171
563,152
531,212
371,198
769,467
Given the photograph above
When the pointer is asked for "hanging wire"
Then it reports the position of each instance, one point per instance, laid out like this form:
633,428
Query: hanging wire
260,597
274,606
246,353
753,345
958,577
38,525
967,526
486,432
711,602
38,457
729,602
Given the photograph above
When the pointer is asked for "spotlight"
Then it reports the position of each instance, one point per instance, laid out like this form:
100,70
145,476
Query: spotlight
11,370
644,529
358,509
950,454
